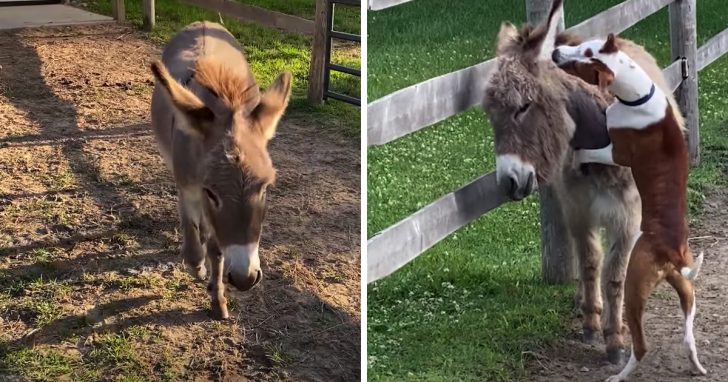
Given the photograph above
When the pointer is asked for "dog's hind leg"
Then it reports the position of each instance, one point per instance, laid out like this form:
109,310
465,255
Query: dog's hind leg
642,277
686,292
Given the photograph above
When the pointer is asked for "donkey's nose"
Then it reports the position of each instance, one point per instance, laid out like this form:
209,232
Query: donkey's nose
520,188
556,55
247,282
516,176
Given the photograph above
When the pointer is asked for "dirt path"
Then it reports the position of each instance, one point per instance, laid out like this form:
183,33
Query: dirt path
571,360
90,276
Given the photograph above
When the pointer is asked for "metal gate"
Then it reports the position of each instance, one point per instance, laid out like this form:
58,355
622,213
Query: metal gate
330,34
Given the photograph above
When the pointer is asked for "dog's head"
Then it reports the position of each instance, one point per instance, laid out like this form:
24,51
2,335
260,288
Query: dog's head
596,61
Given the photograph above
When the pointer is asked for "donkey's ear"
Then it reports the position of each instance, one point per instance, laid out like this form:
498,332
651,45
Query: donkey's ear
507,37
552,25
272,105
194,112
610,46
540,43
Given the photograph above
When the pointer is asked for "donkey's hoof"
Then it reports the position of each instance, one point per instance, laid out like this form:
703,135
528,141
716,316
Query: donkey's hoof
616,356
590,336
219,313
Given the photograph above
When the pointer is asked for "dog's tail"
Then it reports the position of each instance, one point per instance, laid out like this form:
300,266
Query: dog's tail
691,273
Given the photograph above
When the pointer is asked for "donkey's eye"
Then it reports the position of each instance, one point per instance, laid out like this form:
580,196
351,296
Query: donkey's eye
212,197
520,112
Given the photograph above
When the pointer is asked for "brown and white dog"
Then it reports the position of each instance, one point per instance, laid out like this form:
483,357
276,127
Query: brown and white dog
646,135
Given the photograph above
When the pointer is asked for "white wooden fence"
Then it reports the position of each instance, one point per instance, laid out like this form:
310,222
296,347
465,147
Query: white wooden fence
434,100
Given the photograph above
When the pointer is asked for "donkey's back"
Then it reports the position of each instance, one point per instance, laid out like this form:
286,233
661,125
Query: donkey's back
195,42
198,40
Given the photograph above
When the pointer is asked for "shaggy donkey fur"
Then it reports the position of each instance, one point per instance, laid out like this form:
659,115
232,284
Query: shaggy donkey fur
539,114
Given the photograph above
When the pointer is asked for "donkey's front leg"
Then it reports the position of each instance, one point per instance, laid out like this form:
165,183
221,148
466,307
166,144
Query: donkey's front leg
621,233
215,286
193,253
590,259
586,244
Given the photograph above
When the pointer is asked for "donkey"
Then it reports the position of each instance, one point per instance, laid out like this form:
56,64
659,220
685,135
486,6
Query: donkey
540,114
212,128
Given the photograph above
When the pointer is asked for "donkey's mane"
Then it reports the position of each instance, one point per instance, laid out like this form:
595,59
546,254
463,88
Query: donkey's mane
232,87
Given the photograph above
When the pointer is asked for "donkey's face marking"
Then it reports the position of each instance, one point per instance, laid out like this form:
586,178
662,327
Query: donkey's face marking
527,107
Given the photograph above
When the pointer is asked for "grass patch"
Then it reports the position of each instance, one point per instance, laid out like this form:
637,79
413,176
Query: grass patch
269,52
116,355
39,365
469,307
346,18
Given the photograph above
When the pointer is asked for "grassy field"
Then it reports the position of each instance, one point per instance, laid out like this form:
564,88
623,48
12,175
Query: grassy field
346,18
469,307
269,52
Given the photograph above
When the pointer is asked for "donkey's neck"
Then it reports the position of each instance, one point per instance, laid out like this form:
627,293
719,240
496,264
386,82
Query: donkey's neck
631,84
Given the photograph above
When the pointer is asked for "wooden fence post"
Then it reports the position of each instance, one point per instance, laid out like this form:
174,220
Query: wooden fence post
148,17
558,262
317,69
683,43
118,11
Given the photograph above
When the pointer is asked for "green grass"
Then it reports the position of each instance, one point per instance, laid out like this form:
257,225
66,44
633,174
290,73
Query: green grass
469,307
269,52
346,18
113,353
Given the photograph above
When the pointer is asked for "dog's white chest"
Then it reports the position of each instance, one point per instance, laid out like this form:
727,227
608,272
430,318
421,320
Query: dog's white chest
620,115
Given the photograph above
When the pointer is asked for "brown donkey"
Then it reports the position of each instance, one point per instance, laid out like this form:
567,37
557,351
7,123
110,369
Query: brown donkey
212,128
540,114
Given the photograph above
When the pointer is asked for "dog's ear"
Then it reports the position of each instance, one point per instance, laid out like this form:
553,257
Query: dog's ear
610,46
605,78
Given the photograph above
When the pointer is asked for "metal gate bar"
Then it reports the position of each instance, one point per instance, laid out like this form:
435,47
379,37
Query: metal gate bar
330,34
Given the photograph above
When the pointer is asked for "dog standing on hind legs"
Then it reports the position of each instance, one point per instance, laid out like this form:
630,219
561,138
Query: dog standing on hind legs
647,137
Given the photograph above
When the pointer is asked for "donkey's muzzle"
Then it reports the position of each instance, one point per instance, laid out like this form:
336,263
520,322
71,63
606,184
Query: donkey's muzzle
519,189
516,177
242,266
245,283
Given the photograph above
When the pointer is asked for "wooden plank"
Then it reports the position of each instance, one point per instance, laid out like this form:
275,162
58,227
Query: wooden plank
413,108
253,14
683,43
148,17
713,49
673,75
378,5
397,245
402,242
618,18
558,260
317,69
118,12
410,109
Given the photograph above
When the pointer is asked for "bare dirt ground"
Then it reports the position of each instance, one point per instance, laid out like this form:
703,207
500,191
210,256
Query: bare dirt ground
571,360
91,283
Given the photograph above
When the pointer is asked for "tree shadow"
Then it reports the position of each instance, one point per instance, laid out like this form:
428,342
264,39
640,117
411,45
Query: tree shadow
119,132
95,322
321,340
25,86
